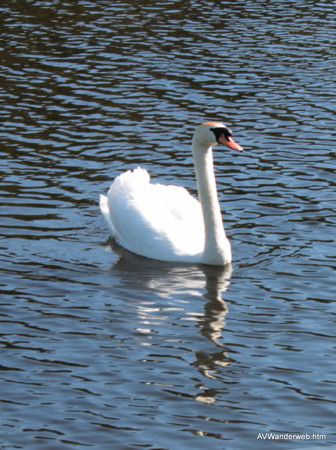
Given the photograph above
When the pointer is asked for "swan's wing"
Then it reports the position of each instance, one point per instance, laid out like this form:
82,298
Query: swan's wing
162,222
177,202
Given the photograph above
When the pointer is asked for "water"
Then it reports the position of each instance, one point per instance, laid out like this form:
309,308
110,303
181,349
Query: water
103,349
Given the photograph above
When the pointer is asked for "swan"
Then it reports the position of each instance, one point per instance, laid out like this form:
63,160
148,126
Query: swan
165,222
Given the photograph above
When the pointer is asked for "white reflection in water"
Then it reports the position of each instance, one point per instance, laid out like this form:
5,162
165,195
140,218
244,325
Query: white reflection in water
179,296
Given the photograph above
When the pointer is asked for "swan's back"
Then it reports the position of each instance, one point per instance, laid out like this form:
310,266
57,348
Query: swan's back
154,220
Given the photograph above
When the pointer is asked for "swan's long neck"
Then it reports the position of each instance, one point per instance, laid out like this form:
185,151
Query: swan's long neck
216,245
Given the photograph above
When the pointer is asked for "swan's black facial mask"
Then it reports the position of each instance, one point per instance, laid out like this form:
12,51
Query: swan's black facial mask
224,136
221,130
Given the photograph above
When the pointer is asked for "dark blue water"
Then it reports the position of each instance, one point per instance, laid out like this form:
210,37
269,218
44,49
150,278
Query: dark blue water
103,349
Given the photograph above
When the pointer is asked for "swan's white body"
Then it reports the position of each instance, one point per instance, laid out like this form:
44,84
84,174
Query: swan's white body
166,222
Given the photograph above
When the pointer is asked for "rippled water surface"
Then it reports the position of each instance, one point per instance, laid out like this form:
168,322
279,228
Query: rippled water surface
103,349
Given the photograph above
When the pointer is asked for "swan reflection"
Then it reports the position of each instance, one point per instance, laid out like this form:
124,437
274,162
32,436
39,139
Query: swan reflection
170,297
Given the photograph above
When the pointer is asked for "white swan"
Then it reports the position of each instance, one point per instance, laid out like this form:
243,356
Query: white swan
166,222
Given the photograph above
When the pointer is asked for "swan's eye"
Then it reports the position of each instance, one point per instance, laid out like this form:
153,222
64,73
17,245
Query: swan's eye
221,130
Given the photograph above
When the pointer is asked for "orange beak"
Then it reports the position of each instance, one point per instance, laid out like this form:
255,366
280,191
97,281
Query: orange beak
230,143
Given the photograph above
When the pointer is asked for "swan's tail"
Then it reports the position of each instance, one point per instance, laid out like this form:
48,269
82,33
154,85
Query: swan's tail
103,203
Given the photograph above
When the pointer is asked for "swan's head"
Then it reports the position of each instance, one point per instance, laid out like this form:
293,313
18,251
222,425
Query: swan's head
212,133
